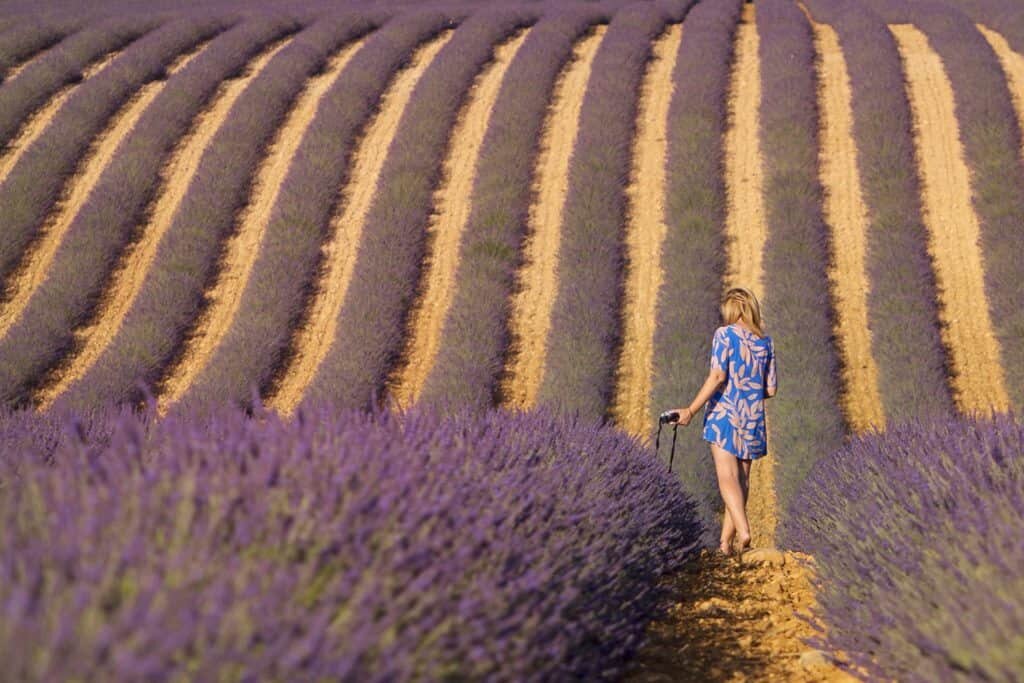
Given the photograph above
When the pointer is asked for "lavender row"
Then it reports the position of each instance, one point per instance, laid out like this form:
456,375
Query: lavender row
693,255
902,297
372,322
171,296
919,569
62,66
475,337
991,141
172,293
43,332
806,419
22,40
585,318
339,546
34,184
258,341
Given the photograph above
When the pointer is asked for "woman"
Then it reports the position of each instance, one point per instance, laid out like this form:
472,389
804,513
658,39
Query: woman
742,376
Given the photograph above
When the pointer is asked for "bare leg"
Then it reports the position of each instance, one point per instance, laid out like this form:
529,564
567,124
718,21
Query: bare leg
728,527
728,468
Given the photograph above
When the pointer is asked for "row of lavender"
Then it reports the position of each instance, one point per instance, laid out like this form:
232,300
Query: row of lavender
916,538
806,420
42,335
340,545
273,302
991,138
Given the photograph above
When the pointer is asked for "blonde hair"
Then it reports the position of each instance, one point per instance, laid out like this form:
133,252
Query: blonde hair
739,303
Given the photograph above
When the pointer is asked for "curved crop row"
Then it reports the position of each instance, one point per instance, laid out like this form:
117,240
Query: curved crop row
537,280
43,330
169,147
23,41
32,171
37,124
475,336
168,302
231,205
185,545
317,330
902,300
645,233
60,67
579,373
847,218
991,139
1004,15
452,206
693,253
806,419
954,228
31,279
372,321
920,569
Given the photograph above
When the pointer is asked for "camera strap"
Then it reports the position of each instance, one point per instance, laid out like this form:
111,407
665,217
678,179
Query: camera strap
657,442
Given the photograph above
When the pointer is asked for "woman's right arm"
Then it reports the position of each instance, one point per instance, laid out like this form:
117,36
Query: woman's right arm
771,384
711,384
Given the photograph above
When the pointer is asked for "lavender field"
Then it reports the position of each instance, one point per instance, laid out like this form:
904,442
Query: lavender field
340,236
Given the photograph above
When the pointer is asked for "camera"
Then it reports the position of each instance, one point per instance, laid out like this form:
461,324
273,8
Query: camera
668,417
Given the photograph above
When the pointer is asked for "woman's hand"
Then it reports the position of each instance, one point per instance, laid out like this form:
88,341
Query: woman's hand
685,416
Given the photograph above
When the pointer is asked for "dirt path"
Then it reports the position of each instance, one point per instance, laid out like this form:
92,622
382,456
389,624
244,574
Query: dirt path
738,621
847,216
538,279
946,188
746,228
37,261
645,234
314,339
1013,67
130,277
452,209
39,121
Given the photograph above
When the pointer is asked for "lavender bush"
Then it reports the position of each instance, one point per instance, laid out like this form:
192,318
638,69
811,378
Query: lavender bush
585,318
991,141
340,546
103,226
693,255
373,320
916,537
475,337
806,418
61,66
902,298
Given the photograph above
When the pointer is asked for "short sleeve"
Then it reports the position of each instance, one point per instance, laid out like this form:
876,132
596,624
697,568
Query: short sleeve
771,381
720,350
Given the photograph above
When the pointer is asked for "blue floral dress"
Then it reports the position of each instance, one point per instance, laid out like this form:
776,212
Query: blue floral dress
734,415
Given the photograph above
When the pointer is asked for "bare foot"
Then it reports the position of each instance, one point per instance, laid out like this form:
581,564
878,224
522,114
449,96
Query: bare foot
725,548
744,543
